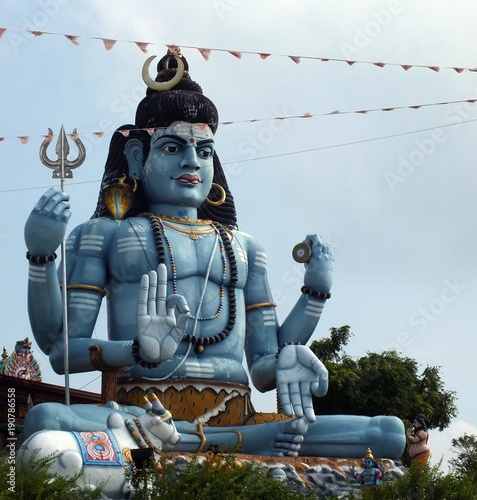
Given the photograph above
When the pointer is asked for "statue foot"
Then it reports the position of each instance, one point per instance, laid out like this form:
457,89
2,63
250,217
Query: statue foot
386,436
351,435
288,442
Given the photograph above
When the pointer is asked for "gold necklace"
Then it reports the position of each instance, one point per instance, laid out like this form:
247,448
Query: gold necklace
193,233
185,220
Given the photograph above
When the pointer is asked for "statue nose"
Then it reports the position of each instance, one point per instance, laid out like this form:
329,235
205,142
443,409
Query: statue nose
190,159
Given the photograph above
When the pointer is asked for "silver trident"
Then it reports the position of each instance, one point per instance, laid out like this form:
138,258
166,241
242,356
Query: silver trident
63,170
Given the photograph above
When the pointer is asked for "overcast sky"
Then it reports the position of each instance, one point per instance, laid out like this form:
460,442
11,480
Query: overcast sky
393,191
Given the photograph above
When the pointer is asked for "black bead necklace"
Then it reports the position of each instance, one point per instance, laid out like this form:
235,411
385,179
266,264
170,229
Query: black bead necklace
200,343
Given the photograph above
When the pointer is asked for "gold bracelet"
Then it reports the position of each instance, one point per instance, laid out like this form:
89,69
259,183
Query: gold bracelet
260,304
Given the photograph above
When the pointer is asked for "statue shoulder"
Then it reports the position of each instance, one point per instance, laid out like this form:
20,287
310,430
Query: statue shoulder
99,225
248,242
95,234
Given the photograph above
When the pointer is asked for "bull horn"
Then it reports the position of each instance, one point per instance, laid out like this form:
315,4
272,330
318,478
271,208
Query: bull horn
157,406
147,404
161,86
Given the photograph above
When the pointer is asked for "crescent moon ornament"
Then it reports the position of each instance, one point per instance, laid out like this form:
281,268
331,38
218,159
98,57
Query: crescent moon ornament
161,86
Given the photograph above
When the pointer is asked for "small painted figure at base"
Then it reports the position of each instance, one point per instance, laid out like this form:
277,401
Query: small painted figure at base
373,472
417,439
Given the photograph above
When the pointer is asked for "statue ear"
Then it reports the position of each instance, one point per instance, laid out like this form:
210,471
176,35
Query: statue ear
133,153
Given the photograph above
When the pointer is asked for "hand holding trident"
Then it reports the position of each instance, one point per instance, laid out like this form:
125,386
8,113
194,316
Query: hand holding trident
63,170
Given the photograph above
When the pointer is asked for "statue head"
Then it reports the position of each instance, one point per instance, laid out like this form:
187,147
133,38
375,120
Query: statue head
419,422
369,461
158,110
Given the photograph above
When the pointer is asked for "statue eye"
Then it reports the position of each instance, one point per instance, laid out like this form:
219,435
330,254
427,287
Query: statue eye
171,148
205,152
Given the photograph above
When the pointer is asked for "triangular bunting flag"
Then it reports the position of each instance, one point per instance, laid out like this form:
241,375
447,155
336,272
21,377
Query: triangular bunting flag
98,134
150,131
205,53
351,62
36,33
24,139
108,44
324,59
362,112
2,139
388,109
415,107
295,59
263,55
459,70
73,39
405,67
2,31
434,68
380,65
124,132
48,137
142,46
236,53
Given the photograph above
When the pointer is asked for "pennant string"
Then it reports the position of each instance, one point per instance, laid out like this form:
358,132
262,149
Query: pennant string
109,43
150,131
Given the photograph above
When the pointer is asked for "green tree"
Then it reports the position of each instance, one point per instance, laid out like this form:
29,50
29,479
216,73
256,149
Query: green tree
381,384
424,483
465,463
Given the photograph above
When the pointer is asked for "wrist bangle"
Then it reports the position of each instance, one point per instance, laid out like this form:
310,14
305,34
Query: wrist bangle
137,357
36,259
284,345
313,293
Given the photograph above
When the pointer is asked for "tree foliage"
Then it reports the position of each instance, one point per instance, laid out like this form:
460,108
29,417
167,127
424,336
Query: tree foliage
220,479
36,481
465,463
424,483
381,384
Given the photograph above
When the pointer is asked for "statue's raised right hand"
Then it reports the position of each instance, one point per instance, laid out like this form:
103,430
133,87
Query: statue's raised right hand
159,332
46,225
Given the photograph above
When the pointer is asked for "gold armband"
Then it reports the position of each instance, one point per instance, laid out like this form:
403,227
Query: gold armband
259,305
90,288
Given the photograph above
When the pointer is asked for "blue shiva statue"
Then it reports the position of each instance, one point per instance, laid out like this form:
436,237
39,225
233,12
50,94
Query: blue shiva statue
187,295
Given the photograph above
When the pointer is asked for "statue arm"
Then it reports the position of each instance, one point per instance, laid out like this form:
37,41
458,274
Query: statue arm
293,369
261,320
300,324
86,278
264,334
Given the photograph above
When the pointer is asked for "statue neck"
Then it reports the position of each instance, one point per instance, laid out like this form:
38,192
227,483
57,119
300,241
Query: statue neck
173,210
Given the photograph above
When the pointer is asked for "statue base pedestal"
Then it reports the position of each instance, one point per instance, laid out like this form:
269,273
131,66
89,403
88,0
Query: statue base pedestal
323,476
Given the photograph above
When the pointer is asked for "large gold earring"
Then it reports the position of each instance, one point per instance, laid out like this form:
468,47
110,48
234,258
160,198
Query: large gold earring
118,198
223,196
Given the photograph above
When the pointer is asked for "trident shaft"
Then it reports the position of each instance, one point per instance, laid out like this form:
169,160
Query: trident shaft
63,170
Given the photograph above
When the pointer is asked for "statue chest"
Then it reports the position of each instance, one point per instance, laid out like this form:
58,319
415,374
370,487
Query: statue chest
134,251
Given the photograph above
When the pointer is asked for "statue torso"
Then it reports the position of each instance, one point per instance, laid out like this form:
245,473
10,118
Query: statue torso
197,268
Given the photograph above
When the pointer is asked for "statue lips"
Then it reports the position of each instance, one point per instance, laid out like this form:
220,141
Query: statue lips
188,179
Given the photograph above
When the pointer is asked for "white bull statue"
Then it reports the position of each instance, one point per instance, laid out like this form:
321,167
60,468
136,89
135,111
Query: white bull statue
100,458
